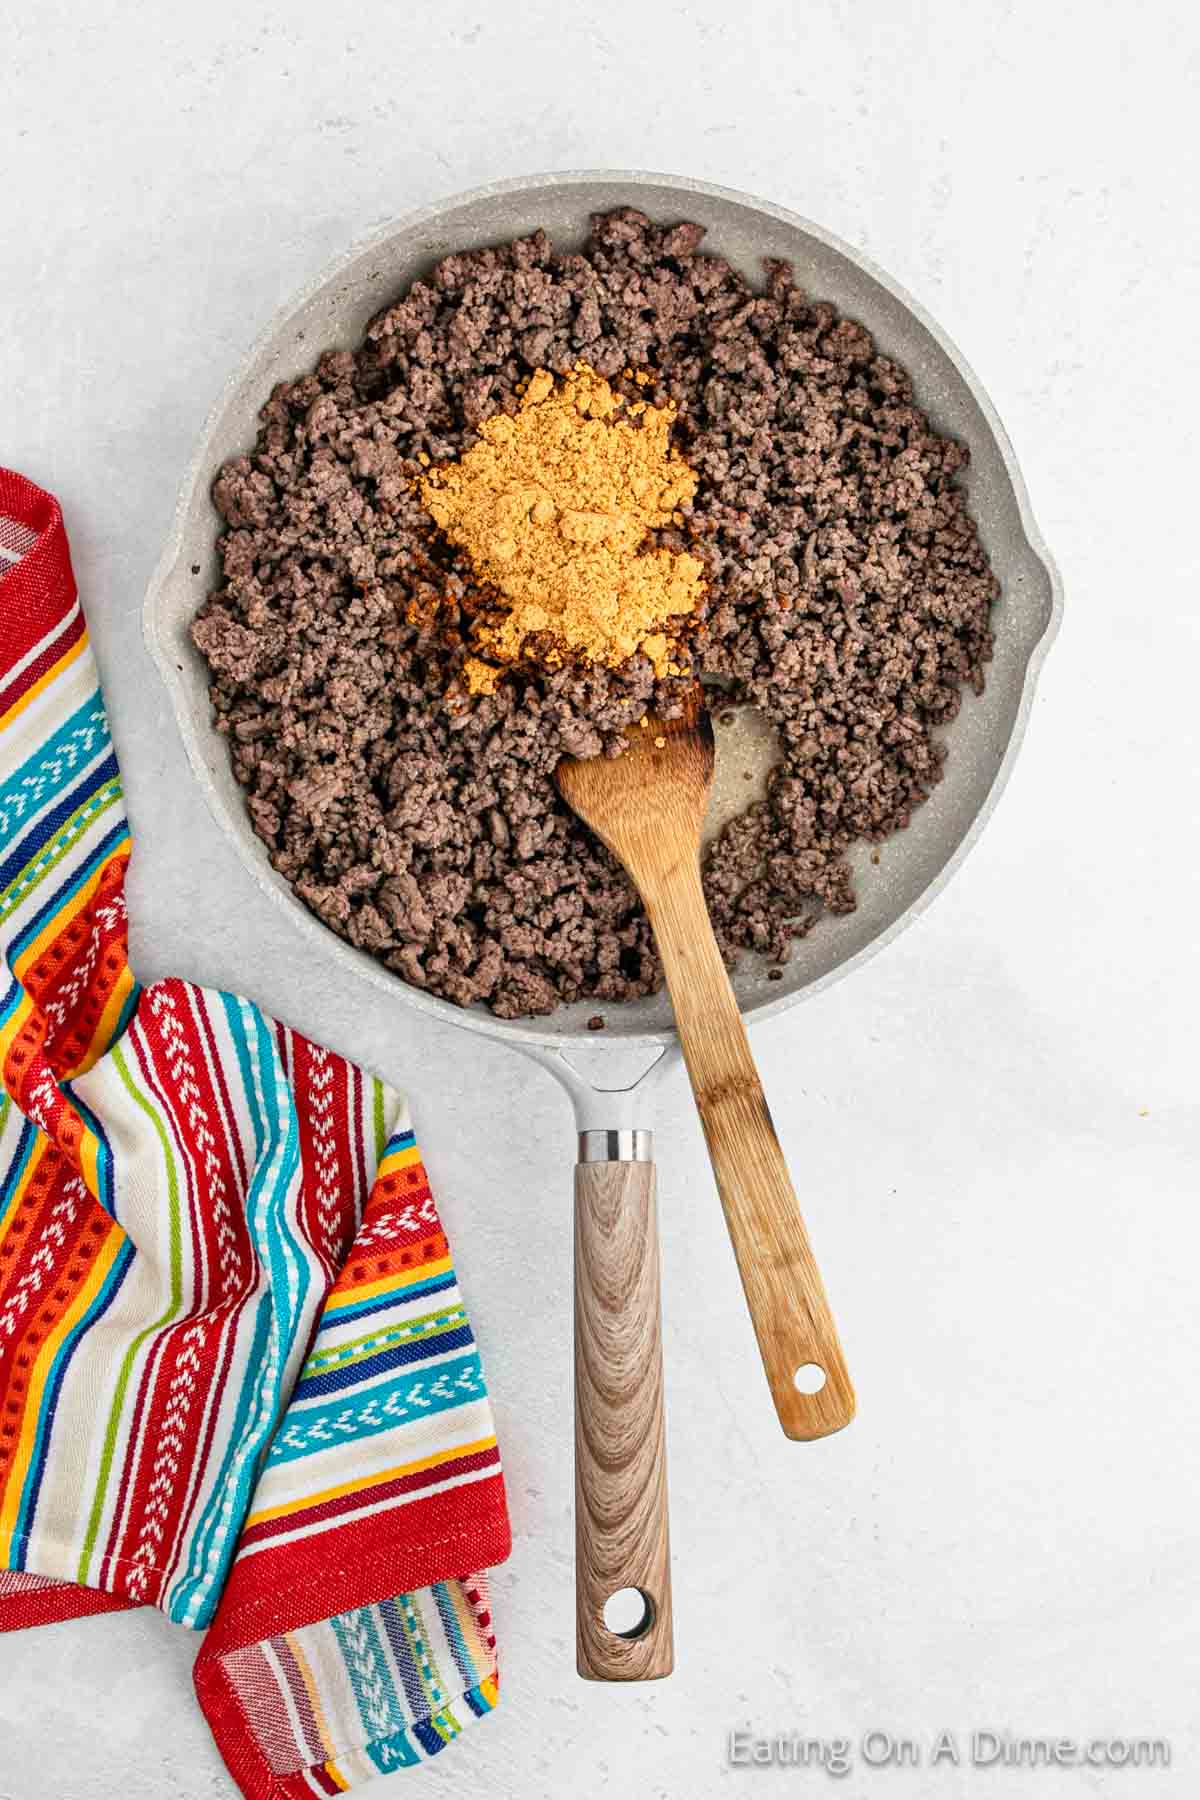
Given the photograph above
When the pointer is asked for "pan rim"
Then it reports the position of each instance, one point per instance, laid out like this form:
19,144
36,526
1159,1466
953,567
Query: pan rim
529,1035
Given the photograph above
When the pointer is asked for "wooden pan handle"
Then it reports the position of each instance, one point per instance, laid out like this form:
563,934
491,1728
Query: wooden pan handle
783,1286
621,1535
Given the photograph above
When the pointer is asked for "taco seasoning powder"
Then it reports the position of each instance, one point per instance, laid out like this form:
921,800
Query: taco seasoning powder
553,506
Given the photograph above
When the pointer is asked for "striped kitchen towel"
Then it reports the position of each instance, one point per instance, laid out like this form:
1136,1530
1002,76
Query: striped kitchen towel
237,1379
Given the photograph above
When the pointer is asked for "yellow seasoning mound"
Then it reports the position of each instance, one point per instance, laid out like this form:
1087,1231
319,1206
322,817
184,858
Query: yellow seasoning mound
553,506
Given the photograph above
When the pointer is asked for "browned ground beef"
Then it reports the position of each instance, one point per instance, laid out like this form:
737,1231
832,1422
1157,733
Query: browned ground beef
848,597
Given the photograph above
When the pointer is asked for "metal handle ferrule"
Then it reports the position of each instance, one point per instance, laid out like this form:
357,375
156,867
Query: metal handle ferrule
616,1146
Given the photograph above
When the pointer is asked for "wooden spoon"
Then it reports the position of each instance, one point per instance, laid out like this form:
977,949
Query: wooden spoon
647,806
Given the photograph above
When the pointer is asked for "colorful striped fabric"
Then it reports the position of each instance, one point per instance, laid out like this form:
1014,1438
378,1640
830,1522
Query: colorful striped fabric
237,1380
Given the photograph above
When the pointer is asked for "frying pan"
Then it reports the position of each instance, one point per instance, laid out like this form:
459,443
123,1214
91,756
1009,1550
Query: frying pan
621,1519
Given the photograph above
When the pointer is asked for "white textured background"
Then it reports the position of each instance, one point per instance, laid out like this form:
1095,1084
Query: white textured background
993,1127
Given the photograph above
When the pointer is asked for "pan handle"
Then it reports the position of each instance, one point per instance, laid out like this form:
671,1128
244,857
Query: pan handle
622,1544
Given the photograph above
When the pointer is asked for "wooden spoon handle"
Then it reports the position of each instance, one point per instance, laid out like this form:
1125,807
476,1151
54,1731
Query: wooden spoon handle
621,1535
783,1286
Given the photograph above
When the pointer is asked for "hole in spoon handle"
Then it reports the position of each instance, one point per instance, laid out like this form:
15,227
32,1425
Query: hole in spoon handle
805,1368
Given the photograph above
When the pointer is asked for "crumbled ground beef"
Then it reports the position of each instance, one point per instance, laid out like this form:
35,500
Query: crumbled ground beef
848,597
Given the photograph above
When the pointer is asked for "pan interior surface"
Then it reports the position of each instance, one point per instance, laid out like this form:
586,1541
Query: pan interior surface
980,741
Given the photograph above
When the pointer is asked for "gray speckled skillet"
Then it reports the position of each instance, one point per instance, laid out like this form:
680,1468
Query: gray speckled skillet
982,741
